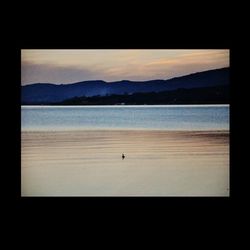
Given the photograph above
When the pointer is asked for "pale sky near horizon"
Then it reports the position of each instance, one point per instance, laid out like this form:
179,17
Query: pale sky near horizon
69,66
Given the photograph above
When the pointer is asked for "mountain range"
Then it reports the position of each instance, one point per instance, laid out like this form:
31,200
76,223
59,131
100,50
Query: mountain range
47,93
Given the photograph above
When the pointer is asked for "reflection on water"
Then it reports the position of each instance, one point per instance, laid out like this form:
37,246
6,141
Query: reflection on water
157,163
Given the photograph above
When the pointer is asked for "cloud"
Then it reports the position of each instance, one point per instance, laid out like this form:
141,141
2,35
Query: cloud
188,63
68,66
46,73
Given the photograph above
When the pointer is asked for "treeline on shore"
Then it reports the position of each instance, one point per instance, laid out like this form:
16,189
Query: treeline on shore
209,95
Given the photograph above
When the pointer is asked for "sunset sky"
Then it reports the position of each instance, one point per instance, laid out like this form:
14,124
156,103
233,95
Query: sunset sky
69,66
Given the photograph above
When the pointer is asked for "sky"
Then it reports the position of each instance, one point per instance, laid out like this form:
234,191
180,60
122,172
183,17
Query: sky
70,66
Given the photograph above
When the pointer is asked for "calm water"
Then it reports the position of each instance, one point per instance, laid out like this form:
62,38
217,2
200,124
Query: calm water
89,163
76,151
162,117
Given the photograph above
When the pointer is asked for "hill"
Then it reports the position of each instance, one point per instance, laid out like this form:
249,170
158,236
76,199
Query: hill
44,93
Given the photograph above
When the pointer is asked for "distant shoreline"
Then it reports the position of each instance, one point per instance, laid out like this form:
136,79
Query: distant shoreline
126,105
211,95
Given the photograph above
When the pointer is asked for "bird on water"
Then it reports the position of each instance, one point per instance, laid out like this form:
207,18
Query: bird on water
123,156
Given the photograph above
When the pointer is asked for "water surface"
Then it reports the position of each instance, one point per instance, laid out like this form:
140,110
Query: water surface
157,163
161,117
169,150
